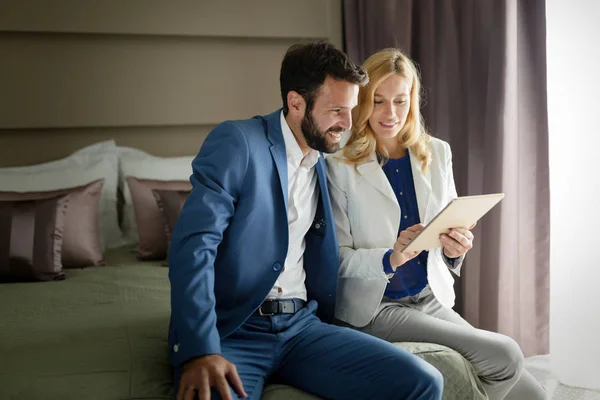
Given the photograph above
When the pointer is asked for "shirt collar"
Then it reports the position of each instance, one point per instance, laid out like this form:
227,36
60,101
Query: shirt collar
292,149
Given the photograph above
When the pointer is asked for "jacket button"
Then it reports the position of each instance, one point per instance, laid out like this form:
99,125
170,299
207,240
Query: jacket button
276,267
176,348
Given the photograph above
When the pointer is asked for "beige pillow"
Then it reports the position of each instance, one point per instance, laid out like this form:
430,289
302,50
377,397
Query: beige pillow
81,245
31,236
152,237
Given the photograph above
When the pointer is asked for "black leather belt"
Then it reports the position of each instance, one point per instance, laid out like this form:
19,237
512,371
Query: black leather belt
275,307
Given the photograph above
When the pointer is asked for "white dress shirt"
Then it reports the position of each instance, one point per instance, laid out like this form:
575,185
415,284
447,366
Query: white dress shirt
303,194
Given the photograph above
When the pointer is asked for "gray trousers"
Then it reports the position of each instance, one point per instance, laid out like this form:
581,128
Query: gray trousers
497,359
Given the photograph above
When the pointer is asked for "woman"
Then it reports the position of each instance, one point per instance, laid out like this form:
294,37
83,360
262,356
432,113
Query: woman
389,180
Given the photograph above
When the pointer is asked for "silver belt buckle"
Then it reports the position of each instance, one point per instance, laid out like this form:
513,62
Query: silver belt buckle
262,314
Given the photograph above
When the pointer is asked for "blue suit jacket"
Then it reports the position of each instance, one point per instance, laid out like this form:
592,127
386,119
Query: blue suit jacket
230,242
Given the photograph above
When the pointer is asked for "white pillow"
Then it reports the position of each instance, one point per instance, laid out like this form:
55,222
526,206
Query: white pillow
139,164
86,165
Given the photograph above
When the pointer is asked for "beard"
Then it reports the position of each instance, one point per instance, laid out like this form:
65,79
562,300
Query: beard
317,139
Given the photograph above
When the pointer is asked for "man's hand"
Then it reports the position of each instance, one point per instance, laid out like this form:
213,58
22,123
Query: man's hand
200,374
457,242
398,257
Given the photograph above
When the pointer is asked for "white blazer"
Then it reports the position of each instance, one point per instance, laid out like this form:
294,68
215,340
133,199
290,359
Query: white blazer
367,217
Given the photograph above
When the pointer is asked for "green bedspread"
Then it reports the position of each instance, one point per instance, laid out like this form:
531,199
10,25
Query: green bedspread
102,334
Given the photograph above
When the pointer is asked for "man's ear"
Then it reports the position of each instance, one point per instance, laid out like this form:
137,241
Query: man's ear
296,104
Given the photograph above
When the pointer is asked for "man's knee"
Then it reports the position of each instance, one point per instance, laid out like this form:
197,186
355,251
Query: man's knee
436,384
421,381
432,383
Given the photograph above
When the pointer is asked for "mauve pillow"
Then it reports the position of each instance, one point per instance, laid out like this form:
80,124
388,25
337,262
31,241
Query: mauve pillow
170,203
31,234
152,243
81,238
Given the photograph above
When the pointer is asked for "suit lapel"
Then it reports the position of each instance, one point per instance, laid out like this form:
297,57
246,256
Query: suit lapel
277,149
322,179
422,187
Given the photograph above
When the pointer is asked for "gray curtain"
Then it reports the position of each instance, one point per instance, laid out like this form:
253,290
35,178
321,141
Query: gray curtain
483,66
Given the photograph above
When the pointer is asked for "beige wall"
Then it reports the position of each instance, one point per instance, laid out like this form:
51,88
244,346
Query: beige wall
153,74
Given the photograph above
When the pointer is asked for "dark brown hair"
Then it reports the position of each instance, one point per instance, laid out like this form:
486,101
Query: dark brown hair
306,66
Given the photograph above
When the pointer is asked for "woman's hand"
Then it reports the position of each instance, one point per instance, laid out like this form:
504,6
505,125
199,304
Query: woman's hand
457,242
398,257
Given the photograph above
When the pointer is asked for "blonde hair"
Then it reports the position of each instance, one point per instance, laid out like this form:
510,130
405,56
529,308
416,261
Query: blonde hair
362,143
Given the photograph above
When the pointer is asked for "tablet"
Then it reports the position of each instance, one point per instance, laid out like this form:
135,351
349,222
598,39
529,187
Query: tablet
461,212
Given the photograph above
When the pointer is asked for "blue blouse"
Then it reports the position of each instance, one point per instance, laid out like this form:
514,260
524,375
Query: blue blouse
411,277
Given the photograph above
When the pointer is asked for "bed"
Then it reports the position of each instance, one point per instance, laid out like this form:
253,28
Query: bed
101,334
90,232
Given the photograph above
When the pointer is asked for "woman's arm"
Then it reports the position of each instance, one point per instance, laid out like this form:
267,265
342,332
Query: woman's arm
454,264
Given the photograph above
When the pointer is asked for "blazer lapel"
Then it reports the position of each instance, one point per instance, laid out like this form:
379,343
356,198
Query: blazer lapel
372,172
422,187
277,149
322,179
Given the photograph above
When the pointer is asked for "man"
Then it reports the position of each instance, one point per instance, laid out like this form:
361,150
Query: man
254,256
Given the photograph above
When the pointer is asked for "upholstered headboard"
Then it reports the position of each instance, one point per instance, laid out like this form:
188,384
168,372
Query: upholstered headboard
149,74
